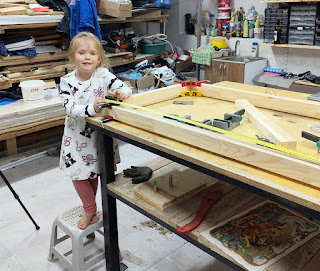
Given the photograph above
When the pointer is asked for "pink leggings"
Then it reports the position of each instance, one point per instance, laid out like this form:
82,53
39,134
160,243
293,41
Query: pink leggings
87,190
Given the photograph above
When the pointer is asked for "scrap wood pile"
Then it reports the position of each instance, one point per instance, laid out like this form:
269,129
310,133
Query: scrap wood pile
22,115
24,7
38,53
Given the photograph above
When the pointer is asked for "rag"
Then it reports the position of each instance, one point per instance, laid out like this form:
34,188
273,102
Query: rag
138,174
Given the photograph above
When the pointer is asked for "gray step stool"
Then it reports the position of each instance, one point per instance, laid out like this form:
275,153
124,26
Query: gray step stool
68,223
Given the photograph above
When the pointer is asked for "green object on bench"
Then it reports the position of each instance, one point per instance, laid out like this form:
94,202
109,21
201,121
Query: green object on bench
153,48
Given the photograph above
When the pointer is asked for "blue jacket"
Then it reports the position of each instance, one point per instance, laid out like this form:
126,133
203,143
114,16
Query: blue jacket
84,17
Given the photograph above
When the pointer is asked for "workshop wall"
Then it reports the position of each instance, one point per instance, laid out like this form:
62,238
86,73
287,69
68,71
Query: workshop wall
299,60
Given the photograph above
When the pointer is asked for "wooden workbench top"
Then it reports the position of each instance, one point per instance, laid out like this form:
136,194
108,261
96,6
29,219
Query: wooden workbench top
287,188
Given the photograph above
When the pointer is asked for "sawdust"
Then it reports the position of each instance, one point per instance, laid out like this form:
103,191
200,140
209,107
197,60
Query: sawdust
152,224
128,256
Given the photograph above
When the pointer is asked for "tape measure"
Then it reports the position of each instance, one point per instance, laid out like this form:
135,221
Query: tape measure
243,137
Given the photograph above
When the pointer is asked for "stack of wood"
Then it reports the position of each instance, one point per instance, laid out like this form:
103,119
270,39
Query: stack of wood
20,7
20,115
14,69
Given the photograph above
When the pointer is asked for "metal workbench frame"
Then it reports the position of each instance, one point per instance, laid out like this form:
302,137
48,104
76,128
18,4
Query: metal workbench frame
106,158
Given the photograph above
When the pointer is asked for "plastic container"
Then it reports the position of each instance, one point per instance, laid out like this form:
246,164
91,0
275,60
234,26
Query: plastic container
251,30
224,3
32,90
254,49
153,48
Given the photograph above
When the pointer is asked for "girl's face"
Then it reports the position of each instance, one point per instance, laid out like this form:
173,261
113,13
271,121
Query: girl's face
86,57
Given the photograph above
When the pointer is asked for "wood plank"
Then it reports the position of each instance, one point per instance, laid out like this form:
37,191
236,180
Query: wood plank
32,127
51,12
245,152
283,104
266,126
185,183
36,65
13,10
156,96
15,60
296,46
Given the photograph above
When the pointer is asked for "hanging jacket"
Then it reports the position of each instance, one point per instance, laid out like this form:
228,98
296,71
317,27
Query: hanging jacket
84,17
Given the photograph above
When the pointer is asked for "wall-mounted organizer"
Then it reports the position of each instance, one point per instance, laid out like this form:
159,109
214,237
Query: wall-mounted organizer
271,19
302,24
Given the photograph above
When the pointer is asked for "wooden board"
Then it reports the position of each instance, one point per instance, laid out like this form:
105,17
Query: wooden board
185,183
227,146
19,10
267,127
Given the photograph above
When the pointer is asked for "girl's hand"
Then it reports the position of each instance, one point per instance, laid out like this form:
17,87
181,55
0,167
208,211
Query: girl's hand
97,102
118,94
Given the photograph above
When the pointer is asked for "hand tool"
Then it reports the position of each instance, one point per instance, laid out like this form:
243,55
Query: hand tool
139,174
208,200
230,121
110,103
312,137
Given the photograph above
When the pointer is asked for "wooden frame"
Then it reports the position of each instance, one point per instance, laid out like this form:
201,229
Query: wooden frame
243,151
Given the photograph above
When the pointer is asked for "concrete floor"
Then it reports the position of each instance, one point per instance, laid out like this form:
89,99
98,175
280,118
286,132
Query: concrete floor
46,194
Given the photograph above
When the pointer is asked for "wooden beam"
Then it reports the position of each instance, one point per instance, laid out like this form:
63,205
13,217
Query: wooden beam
156,96
282,104
245,152
266,126
13,11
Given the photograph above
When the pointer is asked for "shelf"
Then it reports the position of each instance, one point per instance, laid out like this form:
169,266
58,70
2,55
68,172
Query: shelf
160,19
121,61
313,47
299,82
288,1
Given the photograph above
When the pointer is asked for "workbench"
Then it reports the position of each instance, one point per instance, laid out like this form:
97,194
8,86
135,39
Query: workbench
243,185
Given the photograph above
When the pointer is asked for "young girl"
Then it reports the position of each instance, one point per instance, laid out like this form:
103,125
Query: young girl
82,92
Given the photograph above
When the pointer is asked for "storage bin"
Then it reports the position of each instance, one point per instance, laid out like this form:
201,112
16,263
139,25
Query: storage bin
32,90
153,48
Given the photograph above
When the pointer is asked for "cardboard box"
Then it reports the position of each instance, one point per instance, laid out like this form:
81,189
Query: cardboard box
140,83
182,66
119,10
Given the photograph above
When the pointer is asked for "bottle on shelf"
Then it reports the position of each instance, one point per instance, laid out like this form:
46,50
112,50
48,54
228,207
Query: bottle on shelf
277,33
245,28
251,30
254,49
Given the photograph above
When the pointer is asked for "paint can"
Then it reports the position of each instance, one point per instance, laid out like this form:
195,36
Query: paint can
32,90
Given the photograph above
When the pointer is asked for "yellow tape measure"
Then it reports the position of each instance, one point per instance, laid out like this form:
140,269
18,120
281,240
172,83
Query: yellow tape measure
247,138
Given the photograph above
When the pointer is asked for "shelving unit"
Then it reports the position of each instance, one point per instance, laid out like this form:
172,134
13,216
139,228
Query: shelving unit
23,63
288,1
312,47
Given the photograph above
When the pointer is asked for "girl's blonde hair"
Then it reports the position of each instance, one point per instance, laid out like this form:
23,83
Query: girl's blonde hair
88,36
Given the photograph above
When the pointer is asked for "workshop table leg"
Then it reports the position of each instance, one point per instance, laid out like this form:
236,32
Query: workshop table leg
109,207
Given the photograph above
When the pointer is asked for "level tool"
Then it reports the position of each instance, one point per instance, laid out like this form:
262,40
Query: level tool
222,131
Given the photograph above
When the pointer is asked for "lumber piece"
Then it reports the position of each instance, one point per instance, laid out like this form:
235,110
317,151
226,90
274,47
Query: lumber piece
224,145
186,183
266,126
282,104
37,72
19,10
156,96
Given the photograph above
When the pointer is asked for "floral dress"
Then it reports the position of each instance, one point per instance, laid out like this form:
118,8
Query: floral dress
79,154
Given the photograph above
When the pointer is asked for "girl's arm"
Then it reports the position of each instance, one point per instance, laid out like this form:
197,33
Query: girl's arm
69,103
117,88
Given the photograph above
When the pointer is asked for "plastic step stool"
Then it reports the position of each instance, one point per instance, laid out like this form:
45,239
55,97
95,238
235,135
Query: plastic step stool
68,223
